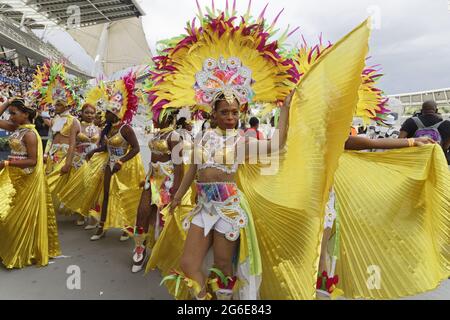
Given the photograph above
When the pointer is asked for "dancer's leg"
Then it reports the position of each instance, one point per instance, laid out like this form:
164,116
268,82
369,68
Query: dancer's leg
324,251
195,250
224,251
106,186
146,216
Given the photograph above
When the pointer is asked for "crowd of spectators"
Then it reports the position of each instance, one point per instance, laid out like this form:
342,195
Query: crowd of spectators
14,80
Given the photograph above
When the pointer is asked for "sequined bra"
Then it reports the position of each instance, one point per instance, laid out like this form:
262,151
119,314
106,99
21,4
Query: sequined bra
217,151
158,145
88,135
88,138
117,145
18,147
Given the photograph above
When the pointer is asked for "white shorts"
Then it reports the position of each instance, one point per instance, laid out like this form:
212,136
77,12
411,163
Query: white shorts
218,208
211,222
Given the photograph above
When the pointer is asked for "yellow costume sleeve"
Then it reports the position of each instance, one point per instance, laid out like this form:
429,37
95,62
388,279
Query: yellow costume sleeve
395,224
288,207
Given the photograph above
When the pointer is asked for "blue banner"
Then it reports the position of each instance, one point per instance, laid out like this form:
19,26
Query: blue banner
8,80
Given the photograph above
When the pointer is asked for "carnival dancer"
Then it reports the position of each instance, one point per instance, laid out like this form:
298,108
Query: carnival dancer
27,220
55,90
254,238
161,184
87,139
115,172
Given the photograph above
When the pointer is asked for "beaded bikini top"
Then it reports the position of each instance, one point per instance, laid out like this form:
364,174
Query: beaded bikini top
218,151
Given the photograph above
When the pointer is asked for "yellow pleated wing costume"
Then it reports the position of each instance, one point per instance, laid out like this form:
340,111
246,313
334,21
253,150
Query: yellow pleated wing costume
394,221
28,230
393,209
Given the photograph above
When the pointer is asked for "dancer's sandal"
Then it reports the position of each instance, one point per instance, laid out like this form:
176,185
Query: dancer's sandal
140,257
91,227
124,237
99,235
140,251
224,287
327,287
194,287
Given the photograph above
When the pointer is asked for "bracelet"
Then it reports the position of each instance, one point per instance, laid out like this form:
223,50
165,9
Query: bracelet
411,142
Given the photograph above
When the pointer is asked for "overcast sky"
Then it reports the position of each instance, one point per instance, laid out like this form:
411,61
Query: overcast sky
411,39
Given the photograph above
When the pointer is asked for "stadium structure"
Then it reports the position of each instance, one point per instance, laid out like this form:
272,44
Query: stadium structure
98,19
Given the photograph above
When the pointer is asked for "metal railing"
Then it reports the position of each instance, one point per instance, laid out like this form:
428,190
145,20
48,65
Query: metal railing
9,29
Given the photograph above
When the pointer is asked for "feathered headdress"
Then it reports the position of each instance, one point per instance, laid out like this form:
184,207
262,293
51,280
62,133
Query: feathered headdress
30,99
372,102
52,83
234,55
98,97
122,100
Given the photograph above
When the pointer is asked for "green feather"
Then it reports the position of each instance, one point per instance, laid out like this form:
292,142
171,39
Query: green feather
168,278
177,287
221,275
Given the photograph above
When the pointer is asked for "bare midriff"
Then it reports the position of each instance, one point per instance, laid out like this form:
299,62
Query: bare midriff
60,139
161,158
211,175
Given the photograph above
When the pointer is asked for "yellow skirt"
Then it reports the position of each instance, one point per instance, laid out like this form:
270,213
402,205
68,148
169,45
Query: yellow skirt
89,177
55,180
85,190
27,220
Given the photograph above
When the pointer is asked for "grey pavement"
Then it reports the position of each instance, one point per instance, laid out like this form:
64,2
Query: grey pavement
105,271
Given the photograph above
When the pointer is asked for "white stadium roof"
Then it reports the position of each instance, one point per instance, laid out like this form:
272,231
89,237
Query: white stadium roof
110,31
41,13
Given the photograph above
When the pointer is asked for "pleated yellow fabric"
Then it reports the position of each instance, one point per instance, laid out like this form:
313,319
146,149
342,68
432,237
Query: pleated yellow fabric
124,194
7,191
394,211
83,191
86,190
28,231
167,250
56,181
288,207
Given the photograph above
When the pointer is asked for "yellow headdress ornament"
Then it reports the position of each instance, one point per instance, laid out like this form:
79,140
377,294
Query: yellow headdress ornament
122,100
53,85
219,57
98,97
